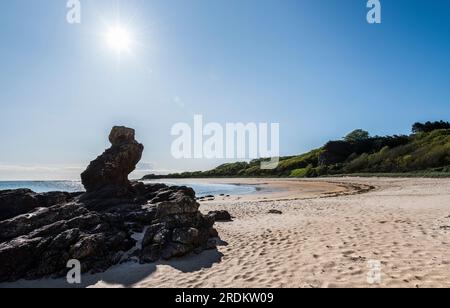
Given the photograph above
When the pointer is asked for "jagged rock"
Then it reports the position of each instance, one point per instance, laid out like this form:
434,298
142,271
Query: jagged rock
98,227
220,216
21,201
109,172
40,243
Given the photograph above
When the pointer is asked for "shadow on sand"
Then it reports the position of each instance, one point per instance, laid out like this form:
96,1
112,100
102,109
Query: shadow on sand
128,274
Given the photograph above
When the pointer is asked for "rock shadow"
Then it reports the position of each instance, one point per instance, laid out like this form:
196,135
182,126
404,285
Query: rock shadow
128,274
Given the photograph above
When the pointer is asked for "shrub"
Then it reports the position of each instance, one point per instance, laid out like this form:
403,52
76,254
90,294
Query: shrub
303,172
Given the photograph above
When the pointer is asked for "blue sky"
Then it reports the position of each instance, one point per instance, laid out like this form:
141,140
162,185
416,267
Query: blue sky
316,67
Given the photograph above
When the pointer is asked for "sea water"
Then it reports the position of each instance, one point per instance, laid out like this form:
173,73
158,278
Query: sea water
201,189
206,189
43,186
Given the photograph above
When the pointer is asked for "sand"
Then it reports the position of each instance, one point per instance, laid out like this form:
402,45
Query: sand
331,233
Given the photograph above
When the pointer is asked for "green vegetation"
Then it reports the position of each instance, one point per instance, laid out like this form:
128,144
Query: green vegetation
425,153
428,127
357,135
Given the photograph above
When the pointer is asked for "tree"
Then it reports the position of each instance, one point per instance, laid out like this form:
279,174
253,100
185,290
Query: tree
418,128
357,135
429,126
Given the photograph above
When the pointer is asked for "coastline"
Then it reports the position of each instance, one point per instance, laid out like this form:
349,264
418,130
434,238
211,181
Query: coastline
284,189
325,240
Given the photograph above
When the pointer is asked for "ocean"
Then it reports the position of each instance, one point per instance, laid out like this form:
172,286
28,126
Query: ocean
201,189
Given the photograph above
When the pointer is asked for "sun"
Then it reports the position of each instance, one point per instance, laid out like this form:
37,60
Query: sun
119,39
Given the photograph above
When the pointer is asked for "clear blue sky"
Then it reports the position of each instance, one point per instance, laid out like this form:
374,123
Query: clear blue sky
316,67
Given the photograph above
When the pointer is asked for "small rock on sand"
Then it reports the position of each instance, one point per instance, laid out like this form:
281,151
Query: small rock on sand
275,212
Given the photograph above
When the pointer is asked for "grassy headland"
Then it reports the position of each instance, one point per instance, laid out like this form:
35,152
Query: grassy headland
424,153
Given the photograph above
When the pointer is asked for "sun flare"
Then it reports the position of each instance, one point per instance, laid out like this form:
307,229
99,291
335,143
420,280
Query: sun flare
119,39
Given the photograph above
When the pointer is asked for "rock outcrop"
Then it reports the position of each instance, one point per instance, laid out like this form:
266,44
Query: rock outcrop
108,174
115,221
21,201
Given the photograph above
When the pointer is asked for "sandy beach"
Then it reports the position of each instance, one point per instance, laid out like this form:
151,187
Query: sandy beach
330,233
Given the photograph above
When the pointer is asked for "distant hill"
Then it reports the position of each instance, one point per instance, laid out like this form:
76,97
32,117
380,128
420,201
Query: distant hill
426,152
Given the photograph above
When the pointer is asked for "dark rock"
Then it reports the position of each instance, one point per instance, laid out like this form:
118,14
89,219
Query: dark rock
220,216
108,174
40,243
150,254
22,201
120,135
88,246
176,250
17,257
43,232
213,233
212,243
187,236
276,212
65,239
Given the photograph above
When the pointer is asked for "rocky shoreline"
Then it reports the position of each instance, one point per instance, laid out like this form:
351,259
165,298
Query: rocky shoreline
40,233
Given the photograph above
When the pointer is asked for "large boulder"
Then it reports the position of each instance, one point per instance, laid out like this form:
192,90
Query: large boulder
103,227
109,172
